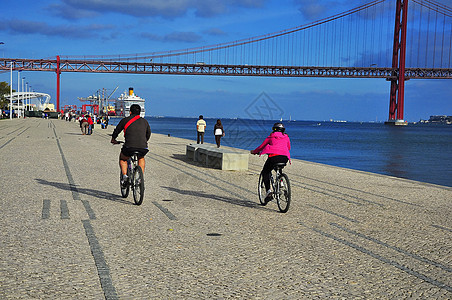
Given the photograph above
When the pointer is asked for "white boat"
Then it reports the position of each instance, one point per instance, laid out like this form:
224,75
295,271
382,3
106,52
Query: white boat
126,100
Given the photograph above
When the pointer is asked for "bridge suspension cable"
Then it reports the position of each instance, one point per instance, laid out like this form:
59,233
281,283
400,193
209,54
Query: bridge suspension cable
360,37
436,6
273,48
430,35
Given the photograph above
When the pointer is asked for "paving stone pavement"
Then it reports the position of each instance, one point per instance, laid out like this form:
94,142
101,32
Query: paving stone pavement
201,233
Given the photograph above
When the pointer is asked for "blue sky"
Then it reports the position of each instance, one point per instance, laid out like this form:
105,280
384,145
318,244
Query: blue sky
46,28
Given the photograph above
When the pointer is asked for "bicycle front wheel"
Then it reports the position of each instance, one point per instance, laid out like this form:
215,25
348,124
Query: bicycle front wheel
284,194
138,185
124,188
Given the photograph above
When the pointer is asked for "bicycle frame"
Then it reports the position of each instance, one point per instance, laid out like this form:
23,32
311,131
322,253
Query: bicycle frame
274,182
132,163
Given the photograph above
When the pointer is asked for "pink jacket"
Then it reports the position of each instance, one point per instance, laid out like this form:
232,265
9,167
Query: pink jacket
276,143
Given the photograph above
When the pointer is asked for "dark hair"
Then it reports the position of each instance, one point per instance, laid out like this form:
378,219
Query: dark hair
219,122
201,117
278,127
135,109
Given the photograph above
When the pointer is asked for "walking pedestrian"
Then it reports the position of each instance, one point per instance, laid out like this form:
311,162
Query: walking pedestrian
91,125
84,125
218,131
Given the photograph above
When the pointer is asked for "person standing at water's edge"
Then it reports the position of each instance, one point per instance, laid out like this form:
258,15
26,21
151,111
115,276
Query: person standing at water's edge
200,128
218,131
137,133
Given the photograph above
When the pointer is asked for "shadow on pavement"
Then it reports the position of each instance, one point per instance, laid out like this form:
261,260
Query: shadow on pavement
235,201
88,192
183,157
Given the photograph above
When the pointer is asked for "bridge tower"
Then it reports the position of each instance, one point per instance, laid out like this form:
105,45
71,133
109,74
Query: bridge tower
398,65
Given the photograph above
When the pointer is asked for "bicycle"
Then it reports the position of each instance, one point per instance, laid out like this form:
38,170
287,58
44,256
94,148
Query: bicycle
135,180
280,187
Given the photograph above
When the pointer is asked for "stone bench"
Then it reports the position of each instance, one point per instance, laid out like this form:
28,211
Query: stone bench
224,158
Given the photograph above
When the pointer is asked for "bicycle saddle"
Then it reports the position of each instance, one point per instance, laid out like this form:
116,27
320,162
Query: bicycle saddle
280,165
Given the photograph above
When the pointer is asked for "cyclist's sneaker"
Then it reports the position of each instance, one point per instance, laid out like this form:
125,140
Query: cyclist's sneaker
124,180
269,196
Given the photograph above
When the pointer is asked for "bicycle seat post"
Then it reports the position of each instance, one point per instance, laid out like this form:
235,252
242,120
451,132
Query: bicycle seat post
135,156
279,167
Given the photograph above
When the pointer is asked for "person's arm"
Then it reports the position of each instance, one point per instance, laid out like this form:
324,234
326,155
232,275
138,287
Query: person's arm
148,132
261,147
116,132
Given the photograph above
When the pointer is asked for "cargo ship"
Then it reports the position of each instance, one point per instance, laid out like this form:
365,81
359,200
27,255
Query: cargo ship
124,102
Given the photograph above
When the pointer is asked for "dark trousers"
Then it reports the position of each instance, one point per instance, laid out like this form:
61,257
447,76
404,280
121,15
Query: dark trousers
200,137
217,140
268,167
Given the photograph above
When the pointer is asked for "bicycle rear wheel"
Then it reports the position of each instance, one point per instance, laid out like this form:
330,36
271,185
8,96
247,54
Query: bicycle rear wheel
125,188
284,195
261,191
138,185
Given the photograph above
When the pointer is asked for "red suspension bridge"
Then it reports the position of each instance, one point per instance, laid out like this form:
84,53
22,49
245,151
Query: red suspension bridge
392,39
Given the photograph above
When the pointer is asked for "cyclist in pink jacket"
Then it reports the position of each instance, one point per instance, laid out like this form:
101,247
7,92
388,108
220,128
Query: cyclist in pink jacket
277,146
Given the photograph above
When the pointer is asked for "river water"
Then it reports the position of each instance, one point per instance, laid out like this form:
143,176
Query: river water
421,152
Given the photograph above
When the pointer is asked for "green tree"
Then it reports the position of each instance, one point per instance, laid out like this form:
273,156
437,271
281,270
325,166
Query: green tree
4,91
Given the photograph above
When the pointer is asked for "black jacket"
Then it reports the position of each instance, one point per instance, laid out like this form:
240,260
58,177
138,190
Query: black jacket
137,134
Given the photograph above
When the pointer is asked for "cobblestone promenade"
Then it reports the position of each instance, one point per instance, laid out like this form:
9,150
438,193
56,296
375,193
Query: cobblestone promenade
200,233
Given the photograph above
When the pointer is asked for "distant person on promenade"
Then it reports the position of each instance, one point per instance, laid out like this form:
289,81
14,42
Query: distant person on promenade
90,125
277,146
84,125
218,131
102,123
200,128
137,133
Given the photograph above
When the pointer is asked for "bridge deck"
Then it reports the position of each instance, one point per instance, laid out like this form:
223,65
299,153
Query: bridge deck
99,66
200,232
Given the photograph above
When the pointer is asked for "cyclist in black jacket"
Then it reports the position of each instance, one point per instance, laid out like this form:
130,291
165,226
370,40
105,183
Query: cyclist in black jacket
136,134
